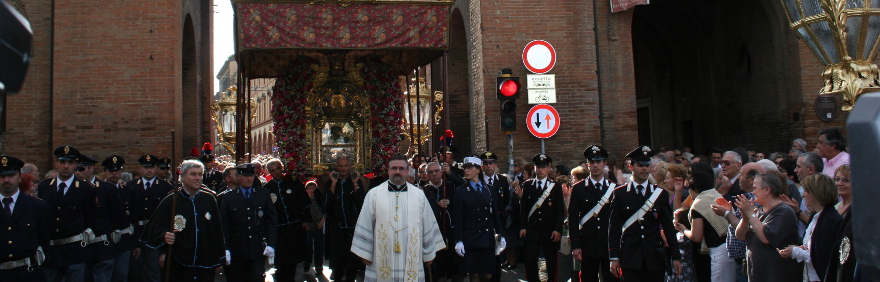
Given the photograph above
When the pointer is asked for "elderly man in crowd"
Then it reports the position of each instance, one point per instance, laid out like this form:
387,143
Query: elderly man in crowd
832,147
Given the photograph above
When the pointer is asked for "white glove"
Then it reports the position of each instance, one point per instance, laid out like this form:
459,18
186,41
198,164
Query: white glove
503,246
459,248
228,257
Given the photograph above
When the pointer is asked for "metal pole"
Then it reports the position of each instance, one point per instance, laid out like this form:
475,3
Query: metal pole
510,171
542,146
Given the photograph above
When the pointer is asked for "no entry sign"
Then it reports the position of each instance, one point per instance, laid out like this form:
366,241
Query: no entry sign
543,121
539,56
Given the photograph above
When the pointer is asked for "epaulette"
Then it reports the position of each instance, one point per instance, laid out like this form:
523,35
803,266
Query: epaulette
90,183
529,180
621,186
224,192
35,197
50,180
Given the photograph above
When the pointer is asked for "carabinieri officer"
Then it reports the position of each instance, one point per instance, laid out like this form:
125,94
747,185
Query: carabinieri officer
638,212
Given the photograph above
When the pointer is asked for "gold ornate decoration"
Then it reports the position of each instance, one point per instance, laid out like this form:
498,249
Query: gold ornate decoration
438,98
842,37
339,115
179,223
223,113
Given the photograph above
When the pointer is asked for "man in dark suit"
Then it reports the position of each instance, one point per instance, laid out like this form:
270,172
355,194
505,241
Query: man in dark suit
728,185
109,216
635,244
446,263
212,177
292,204
72,216
344,197
24,223
589,209
122,238
250,228
543,212
147,193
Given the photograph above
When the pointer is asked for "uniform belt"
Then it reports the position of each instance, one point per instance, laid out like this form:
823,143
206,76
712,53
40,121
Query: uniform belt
84,238
143,222
98,239
17,263
30,262
117,234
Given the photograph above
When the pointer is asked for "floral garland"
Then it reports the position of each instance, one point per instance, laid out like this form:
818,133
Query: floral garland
386,102
289,98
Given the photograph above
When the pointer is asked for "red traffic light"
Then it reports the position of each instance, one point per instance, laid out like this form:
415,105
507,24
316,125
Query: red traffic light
509,88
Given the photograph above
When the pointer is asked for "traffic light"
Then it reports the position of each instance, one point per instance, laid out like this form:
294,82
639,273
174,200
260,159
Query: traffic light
508,115
507,87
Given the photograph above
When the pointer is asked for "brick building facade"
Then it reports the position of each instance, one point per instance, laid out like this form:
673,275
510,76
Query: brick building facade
114,77
673,73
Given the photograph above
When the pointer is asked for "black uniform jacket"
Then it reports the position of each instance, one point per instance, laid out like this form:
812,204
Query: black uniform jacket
69,215
475,216
212,179
642,241
343,206
110,216
548,217
200,243
248,223
292,204
502,190
126,195
25,230
443,216
144,201
592,239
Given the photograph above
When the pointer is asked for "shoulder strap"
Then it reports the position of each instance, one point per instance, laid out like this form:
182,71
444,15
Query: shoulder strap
543,197
596,209
644,209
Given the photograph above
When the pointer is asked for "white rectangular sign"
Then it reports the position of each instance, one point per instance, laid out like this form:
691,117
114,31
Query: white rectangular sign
540,81
542,96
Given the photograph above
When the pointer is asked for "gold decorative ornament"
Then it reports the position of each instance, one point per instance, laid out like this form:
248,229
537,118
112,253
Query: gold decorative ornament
223,113
843,37
179,223
4,161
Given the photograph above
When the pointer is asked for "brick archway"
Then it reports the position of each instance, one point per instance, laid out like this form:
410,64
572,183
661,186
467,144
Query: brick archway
190,106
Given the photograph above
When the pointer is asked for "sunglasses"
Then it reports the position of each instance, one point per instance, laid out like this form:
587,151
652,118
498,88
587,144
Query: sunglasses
81,168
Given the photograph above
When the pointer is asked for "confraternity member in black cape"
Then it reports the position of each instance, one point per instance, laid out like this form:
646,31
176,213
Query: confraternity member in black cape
188,220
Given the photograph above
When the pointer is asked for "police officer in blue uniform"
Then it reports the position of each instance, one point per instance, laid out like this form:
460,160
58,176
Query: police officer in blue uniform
72,219
24,224
476,218
292,204
250,227
590,205
164,172
122,235
212,177
543,212
147,192
499,185
635,244
109,216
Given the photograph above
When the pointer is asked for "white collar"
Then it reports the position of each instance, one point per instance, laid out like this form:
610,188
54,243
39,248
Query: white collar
601,181
645,184
487,177
67,182
151,180
14,196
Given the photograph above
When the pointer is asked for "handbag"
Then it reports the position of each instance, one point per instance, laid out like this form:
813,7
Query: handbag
565,242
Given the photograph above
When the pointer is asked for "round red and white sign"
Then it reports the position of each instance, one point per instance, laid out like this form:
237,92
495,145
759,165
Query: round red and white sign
543,121
539,56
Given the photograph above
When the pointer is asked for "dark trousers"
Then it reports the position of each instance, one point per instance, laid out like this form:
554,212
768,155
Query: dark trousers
146,266
178,272
344,262
591,267
285,272
22,273
643,275
531,250
247,270
315,249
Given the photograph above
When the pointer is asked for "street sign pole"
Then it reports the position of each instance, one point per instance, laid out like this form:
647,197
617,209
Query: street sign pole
510,171
542,146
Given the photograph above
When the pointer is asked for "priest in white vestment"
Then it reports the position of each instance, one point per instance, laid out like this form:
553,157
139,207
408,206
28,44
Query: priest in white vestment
396,233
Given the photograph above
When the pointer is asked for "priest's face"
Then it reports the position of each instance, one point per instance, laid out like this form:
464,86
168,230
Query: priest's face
398,171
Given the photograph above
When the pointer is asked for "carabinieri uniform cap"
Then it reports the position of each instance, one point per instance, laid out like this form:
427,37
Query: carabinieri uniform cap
595,153
66,153
10,165
165,163
113,163
641,155
542,160
148,160
489,157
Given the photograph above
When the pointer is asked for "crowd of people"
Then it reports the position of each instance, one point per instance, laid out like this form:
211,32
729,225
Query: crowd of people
660,215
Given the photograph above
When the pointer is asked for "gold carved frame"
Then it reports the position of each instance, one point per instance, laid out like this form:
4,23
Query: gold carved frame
338,100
